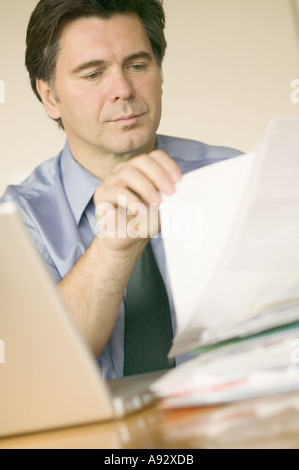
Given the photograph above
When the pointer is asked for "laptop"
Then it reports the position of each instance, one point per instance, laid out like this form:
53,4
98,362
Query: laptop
48,376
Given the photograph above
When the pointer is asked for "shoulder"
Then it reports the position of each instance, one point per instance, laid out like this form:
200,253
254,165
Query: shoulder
191,154
37,199
43,178
39,194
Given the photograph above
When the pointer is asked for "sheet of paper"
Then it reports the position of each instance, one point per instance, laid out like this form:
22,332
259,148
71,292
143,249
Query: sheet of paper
241,255
212,195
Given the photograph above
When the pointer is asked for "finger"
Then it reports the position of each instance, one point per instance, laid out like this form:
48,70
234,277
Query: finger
163,159
124,215
114,197
141,182
158,168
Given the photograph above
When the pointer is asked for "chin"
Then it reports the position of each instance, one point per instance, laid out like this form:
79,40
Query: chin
133,145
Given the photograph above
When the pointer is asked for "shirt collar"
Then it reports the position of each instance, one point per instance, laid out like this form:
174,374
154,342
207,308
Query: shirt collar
79,184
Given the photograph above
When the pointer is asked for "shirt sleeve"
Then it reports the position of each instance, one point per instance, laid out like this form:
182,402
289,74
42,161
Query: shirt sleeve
34,234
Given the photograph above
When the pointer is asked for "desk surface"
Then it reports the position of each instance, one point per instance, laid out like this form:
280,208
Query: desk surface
250,424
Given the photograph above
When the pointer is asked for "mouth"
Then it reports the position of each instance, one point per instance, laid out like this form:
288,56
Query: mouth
128,120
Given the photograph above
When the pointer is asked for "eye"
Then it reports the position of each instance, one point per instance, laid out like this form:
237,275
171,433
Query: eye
93,76
137,67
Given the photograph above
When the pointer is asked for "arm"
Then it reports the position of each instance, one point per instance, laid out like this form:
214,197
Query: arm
94,288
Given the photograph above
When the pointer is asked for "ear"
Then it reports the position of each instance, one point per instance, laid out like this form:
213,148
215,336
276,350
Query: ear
49,102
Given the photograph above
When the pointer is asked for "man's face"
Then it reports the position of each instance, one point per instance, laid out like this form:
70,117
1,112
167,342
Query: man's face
108,87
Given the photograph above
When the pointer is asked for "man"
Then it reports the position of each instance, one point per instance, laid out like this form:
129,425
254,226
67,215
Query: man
96,66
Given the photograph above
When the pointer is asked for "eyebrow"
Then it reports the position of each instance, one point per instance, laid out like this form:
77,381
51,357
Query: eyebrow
95,63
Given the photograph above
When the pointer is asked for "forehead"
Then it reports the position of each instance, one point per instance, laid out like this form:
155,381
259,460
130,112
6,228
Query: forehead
99,38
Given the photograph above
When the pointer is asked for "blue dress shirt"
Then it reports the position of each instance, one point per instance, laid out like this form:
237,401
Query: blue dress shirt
56,203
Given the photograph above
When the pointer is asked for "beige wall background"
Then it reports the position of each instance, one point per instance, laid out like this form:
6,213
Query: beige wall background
228,70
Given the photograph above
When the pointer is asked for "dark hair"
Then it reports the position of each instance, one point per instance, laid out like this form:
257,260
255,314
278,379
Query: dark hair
49,17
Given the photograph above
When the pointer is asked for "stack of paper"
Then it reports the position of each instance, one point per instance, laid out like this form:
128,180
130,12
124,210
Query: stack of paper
263,364
238,276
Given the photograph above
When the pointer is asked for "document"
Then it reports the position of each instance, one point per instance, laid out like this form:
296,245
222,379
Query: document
231,238
234,272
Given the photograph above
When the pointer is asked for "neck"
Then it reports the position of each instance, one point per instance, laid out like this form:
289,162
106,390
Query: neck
102,165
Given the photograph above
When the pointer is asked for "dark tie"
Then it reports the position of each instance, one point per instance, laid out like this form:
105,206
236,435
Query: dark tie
148,330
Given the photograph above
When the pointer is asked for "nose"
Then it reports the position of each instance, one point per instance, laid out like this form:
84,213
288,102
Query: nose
121,87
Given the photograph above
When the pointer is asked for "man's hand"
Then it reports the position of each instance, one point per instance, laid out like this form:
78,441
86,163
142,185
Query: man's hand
127,201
